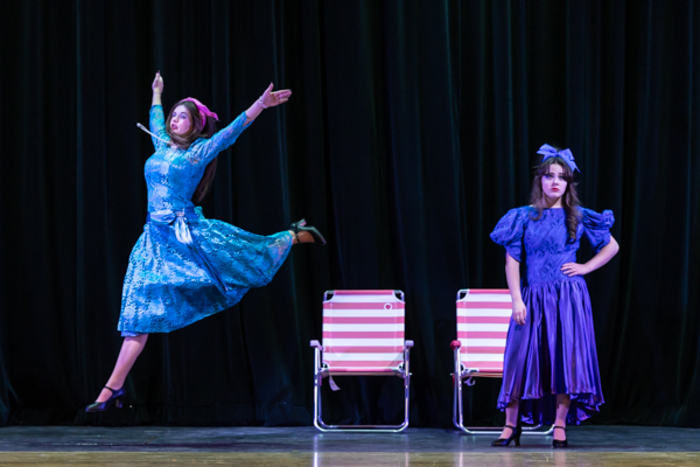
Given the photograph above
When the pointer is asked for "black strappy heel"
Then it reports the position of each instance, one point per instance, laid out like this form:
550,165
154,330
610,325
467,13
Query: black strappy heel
115,398
557,443
514,436
302,227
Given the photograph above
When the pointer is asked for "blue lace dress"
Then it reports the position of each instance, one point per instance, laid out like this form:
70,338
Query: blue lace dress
185,267
554,352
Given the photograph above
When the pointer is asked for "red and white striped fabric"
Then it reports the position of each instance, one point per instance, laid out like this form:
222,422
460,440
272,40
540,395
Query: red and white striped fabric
483,316
363,331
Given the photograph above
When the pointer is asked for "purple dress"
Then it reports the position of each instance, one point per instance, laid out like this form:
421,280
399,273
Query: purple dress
554,352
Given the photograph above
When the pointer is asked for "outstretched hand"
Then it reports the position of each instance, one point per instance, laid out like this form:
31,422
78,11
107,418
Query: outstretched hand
157,85
272,99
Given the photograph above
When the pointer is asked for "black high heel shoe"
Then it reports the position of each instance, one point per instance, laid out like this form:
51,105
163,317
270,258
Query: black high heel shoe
301,227
558,443
514,436
115,398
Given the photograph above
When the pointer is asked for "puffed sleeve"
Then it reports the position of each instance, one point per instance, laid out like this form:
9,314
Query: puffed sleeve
205,150
510,230
156,121
597,227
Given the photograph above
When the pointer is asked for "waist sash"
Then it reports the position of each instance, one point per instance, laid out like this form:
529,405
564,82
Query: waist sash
180,221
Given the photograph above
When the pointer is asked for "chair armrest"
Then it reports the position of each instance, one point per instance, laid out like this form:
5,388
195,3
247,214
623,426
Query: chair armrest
408,344
316,344
455,344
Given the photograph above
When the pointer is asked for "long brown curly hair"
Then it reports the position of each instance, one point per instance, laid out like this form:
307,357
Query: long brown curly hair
201,128
569,200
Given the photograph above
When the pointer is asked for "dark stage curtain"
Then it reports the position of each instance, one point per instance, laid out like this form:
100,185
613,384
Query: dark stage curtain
412,129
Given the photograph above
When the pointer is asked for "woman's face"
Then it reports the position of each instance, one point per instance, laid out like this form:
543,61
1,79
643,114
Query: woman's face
181,121
553,182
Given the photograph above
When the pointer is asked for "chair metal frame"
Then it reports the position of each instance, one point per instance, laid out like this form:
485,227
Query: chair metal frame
322,370
464,374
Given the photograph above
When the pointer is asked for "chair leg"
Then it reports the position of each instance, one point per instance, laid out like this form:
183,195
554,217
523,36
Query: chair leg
458,411
457,403
407,384
318,380
318,406
321,426
457,391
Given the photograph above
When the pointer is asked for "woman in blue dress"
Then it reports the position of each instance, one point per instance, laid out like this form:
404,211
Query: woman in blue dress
550,365
185,267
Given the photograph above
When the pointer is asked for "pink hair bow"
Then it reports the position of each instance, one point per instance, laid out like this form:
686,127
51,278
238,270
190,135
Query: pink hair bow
203,109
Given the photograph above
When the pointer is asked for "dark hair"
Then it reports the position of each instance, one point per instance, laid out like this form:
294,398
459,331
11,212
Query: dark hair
569,201
201,128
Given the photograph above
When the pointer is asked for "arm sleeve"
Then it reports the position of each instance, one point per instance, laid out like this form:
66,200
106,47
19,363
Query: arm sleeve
597,227
156,121
208,149
510,230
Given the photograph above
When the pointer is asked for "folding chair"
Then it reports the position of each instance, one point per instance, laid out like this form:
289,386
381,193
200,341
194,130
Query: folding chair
363,334
483,316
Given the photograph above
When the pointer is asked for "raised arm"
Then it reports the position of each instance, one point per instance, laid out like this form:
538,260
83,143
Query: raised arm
268,99
513,279
157,87
224,138
156,118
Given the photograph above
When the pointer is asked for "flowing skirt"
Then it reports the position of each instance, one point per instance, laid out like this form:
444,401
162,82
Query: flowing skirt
167,286
554,352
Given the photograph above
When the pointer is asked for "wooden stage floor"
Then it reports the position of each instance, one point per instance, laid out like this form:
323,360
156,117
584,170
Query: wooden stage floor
305,446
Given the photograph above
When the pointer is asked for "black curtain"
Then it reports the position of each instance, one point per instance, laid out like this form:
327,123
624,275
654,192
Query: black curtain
412,129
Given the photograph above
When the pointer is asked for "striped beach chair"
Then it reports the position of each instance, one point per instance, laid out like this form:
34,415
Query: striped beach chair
483,317
363,334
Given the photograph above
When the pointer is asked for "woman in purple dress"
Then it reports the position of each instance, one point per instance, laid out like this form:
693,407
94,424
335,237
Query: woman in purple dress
550,357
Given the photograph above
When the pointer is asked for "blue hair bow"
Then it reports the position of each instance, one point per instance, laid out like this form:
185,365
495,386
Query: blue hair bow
548,151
